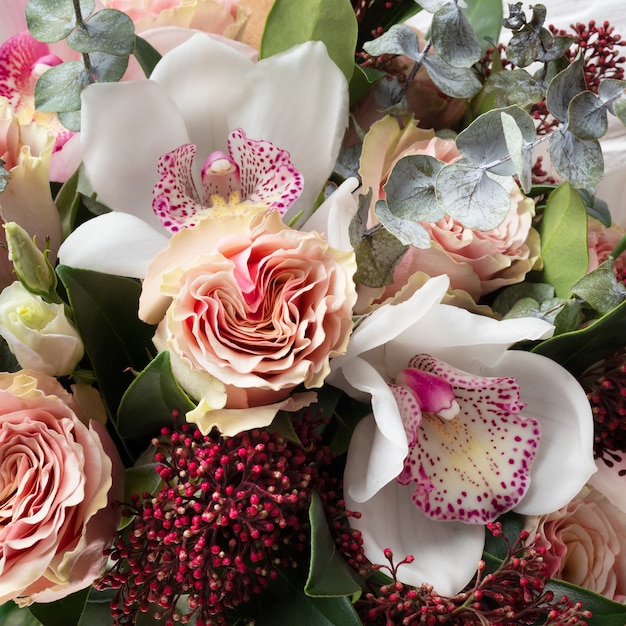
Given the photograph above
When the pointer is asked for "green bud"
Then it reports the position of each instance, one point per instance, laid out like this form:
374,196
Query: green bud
31,265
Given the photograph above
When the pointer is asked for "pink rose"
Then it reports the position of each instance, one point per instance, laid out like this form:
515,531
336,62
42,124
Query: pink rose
60,480
601,241
248,309
476,262
586,544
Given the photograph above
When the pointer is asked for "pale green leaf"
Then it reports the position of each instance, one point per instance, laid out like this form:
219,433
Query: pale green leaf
472,197
399,39
108,68
514,86
331,21
53,20
587,117
59,88
518,150
458,82
611,91
600,288
70,119
109,31
453,37
563,87
408,232
563,231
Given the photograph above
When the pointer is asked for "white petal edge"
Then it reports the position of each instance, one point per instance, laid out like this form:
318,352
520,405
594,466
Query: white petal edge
564,461
446,553
299,101
113,243
125,128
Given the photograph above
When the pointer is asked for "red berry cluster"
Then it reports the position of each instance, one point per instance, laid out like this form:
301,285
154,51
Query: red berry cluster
228,512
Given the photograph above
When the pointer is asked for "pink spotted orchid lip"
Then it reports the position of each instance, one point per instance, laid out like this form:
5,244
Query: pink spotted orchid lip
254,171
472,466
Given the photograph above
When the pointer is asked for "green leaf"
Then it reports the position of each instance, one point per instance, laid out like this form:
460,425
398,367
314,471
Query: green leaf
150,399
399,39
331,21
578,350
612,91
70,119
519,150
576,160
569,318
116,341
329,574
472,197
563,87
67,201
587,116
563,231
458,82
600,288
408,232
13,615
506,299
485,16
64,612
147,56
515,86
377,254
59,88
53,20
108,68
453,37
109,31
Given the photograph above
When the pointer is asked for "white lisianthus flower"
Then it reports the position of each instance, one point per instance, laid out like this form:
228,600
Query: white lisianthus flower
38,332
462,430
197,96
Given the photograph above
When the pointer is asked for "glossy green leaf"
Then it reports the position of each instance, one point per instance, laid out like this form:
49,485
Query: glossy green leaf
587,116
109,31
331,21
59,88
399,39
576,160
601,289
329,574
453,37
147,55
116,341
485,16
458,82
53,20
472,197
563,231
150,399
64,612
67,201
579,349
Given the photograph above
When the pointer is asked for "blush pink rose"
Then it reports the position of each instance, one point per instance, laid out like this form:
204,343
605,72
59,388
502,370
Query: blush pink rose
60,484
586,544
601,241
476,262
248,309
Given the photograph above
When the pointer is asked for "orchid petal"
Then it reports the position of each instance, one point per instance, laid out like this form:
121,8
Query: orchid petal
609,481
13,18
565,456
433,393
145,124
446,554
475,466
297,100
114,243
220,176
267,174
218,76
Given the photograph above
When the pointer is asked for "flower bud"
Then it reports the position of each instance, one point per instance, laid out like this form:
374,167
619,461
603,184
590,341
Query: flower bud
31,265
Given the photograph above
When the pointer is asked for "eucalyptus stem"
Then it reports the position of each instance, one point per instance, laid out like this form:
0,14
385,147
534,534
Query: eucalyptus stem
80,23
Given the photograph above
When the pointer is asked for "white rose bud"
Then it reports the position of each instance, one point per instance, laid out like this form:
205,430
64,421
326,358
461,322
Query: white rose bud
38,333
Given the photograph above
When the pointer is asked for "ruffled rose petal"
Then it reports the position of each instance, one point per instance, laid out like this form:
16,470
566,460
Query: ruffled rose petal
478,463
446,555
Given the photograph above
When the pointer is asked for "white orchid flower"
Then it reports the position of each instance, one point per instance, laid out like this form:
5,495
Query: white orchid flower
199,94
460,433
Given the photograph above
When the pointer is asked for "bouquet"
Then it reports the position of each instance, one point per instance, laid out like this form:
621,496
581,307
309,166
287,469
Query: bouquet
311,313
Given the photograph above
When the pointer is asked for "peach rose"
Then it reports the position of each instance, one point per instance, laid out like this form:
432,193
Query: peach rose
60,482
601,241
248,309
586,544
476,262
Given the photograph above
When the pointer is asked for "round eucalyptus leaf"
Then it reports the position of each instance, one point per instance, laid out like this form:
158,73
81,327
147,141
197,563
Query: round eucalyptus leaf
587,118
611,91
59,88
453,37
108,68
563,87
70,119
408,232
472,197
399,39
515,86
109,31
458,82
53,20
410,189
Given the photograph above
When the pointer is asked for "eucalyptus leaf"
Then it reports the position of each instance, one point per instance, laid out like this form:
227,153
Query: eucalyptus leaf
563,231
410,188
52,20
108,68
506,299
519,151
59,88
529,307
433,6
569,317
329,574
330,21
407,231
528,45
611,91
577,160
64,612
4,176
600,288
70,119
587,116
563,87
109,31
472,197
514,86
458,82
453,37
377,254
399,39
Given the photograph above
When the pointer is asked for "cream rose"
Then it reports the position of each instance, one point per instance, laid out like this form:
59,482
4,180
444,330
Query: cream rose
586,544
38,332
60,483
476,262
249,309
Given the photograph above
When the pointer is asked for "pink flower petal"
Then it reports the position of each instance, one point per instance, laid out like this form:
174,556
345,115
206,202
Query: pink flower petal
220,176
476,466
